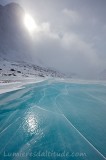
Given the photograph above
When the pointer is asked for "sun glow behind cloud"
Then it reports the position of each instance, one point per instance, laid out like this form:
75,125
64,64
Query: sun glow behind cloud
66,35
30,23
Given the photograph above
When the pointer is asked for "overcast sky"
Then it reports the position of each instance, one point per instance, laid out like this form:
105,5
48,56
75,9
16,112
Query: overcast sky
72,34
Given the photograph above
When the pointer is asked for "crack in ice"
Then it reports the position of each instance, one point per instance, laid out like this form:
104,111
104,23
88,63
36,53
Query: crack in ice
85,138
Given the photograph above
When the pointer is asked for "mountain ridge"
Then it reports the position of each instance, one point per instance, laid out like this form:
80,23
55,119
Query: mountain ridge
15,45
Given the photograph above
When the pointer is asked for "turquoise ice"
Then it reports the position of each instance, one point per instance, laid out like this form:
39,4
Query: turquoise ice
54,120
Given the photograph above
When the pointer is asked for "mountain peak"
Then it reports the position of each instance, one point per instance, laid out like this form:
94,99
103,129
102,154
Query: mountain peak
14,8
13,5
13,36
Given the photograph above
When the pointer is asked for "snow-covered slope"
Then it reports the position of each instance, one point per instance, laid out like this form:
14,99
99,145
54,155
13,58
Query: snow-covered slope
15,47
17,70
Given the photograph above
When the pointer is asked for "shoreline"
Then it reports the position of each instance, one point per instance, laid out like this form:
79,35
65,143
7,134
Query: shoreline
17,85
13,85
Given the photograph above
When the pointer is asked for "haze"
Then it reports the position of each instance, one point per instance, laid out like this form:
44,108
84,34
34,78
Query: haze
70,35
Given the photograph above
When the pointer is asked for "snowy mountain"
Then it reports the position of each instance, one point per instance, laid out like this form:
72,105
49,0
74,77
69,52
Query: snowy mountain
10,70
14,40
15,60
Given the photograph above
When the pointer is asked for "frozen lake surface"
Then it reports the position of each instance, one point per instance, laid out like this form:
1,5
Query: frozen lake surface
54,120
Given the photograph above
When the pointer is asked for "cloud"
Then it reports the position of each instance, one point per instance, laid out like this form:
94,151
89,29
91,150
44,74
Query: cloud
43,32
71,35
72,15
67,53
82,55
